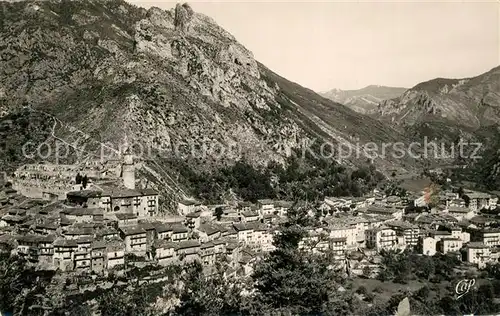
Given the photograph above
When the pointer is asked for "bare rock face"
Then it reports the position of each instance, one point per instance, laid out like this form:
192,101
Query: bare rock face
183,15
446,105
205,55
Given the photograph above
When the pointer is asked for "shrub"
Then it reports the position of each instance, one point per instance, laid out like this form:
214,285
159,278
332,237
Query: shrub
378,289
362,290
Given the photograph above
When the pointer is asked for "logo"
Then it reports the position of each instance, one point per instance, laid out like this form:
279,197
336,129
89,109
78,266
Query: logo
463,287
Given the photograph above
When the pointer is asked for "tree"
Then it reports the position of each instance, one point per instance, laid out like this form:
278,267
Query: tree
78,179
153,251
85,181
20,285
119,301
466,200
218,213
202,295
367,272
10,284
427,268
423,293
291,281
432,195
362,290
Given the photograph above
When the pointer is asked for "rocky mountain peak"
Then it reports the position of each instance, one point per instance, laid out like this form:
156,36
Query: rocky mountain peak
207,56
183,15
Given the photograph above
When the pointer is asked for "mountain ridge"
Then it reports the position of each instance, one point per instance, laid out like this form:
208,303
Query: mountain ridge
364,100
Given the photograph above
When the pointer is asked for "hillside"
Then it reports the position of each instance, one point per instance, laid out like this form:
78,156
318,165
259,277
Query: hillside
364,100
446,107
172,83
449,111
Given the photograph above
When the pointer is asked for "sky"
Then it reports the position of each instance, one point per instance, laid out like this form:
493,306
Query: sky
349,45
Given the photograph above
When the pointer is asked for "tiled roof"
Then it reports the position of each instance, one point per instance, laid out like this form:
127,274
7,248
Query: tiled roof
265,201
187,244
125,216
284,204
400,224
132,230
61,242
243,226
29,238
209,229
476,245
178,228
79,231
456,209
84,240
249,213
160,243
147,226
148,192
194,215
439,232
85,194
106,231
162,227
451,239
339,239
98,244
82,211
207,245
189,202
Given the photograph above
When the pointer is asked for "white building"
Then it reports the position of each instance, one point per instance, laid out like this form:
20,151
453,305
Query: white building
461,213
349,232
381,238
115,254
480,200
185,207
266,206
478,253
429,246
449,244
490,237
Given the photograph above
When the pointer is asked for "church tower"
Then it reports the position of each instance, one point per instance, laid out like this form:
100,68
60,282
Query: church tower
128,171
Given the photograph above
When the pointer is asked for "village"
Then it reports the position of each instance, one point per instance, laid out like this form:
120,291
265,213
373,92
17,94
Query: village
86,226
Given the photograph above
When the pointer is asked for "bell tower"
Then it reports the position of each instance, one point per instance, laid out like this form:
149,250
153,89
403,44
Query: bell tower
128,171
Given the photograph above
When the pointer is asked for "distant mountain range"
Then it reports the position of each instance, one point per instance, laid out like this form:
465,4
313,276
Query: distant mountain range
364,100
441,107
